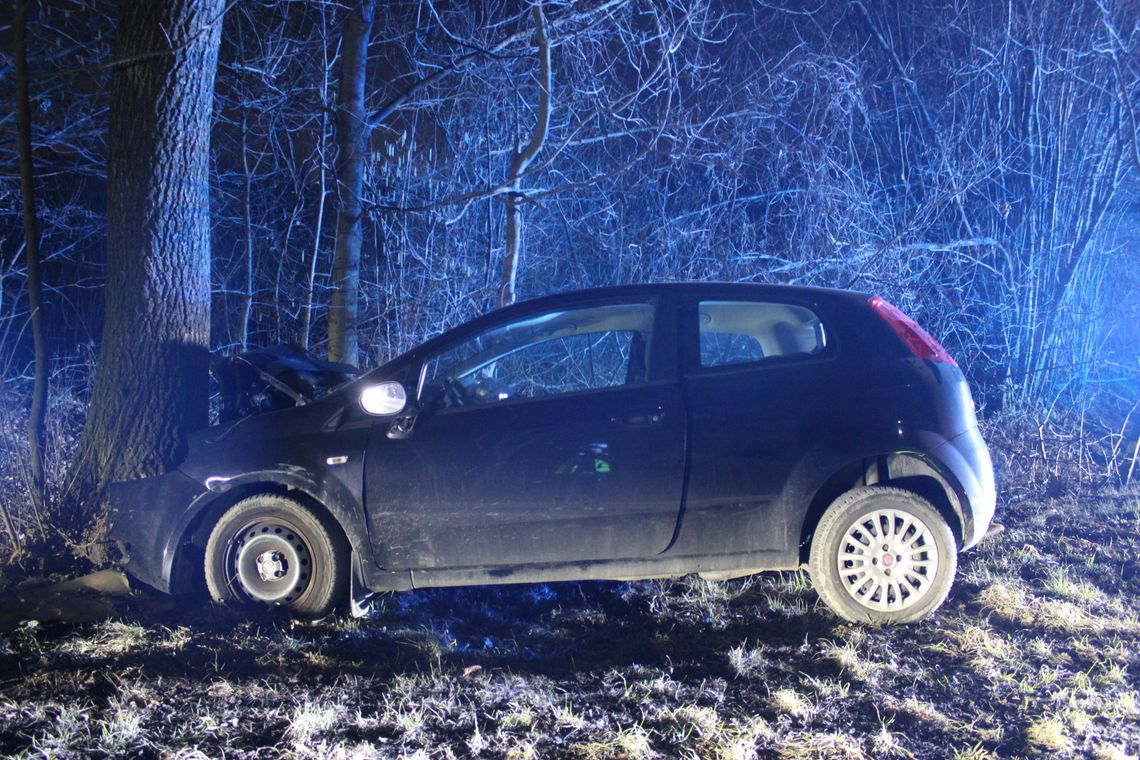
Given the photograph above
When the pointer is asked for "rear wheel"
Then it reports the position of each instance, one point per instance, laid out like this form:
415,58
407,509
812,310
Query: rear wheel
883,555
272,550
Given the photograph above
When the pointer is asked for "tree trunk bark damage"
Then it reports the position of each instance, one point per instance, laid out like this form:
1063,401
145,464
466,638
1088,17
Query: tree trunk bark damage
352,146
150,383
512,242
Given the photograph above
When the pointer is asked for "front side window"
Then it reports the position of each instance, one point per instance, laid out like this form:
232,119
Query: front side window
741,332
556,352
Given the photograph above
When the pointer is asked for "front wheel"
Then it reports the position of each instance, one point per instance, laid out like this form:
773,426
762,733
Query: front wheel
883,555
272,550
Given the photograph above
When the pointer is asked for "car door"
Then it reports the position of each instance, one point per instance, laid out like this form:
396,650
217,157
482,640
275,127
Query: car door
554,436
756,372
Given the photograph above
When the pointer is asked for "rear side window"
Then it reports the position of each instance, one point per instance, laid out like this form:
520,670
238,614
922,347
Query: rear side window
741,332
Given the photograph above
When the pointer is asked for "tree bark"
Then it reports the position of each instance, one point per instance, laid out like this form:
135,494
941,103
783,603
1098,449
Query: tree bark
512,236
38,410
319,152
150,382
311,276
247,222
352,144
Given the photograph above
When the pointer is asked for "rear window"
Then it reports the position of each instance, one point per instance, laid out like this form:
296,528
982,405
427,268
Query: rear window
741,332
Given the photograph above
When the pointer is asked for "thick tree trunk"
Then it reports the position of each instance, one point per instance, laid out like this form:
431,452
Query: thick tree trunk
150,383
512,242
352,144
31,254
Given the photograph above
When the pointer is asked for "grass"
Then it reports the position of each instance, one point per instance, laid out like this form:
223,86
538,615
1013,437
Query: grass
311,719
748,661
1049,735
847,656
1035,654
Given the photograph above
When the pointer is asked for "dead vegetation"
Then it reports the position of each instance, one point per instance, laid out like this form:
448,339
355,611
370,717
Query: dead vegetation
1035,654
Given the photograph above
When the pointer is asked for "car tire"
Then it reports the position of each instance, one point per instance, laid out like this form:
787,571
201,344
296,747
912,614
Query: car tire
272,550
883,555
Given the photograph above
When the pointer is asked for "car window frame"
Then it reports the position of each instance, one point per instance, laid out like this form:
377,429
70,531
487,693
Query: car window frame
690,340
661,367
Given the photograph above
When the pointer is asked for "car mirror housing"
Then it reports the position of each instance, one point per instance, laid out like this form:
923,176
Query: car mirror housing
384,398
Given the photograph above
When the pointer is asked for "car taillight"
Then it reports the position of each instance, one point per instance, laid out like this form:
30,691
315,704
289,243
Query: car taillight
918,340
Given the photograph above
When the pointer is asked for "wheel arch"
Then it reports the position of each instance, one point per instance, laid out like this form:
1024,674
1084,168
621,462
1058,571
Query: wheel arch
908,470
187,569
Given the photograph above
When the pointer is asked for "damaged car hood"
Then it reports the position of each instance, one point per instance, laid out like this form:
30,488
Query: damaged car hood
277,377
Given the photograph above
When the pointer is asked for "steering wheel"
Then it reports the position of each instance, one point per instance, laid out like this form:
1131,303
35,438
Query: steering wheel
455,392
490,389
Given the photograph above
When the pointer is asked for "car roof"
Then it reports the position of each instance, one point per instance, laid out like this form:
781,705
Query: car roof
727,289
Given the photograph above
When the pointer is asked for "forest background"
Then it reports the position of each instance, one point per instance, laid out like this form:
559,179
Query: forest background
381,172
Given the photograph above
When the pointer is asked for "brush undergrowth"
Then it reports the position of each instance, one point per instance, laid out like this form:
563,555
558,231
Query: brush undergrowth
41,535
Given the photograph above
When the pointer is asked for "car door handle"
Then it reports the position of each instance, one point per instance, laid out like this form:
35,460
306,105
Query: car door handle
648,417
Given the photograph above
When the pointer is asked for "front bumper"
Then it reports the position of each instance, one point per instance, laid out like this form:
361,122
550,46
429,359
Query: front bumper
147,519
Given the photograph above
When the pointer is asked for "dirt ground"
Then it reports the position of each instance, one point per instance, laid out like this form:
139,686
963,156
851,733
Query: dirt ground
1035,654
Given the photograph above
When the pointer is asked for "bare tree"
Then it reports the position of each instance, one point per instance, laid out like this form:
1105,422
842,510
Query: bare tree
321,140
352,132
38,410
521,161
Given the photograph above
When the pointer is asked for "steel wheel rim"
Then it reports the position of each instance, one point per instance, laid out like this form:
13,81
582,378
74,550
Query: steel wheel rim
887,560
270,561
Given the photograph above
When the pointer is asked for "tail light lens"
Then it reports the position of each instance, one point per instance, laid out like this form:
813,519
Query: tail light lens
918,340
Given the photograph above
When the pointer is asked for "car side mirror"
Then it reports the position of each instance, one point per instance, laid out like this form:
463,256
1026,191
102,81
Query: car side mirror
383,399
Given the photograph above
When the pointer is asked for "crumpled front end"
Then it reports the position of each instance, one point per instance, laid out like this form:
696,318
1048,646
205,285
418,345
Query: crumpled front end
147,517
273,378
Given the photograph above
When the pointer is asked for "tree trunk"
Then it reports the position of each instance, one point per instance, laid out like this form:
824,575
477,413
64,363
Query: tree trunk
512,236
311,277
150,382
352,144
31,254
319,151
247,220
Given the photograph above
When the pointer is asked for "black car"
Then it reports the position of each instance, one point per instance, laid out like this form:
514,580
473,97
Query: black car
621,433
